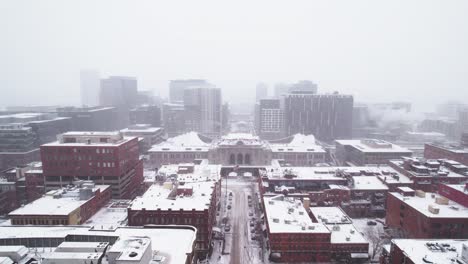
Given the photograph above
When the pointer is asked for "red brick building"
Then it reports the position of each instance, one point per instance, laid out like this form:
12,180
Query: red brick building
415,251
292,236
455,192
191,200
426,175
460,154
426,215
104,157
72,205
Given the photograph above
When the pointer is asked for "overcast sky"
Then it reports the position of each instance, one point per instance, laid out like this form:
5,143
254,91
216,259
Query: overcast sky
398,50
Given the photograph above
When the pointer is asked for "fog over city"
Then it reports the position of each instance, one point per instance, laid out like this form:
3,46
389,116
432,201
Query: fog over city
378,51
233,132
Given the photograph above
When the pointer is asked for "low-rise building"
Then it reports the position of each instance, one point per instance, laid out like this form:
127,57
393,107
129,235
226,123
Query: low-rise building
455,192
347,244
147,135
426,215
368,152
189,197
416,251
292,236
122,245
72,205
428,174
451,152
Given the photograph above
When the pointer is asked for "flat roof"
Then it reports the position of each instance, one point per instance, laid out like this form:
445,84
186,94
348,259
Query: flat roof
141,130
287,215
368,183
430,250
421,204
361,146
48,205
340,225
157,197
175,242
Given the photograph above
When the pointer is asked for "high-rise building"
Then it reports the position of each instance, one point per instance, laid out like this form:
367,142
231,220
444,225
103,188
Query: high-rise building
281,89
177,87
107,158
261,91
269,118
327,116
89,87
173,119
17,145
304,86
92,118
146,114
203,111
118,91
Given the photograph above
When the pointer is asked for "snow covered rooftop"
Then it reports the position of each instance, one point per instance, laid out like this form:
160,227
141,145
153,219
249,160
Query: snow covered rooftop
173,243
90,138
56,202
449,210
368,183
188,142
328,173
340,225
164,197
373,146
141,128
287,215
299,143
111,216
240,139
434,250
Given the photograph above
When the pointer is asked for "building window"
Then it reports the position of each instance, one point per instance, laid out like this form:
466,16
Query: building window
240,159
247,159
232,159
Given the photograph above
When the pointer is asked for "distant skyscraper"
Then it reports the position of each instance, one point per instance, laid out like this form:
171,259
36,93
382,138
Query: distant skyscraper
281,89
261,91
176,88
118,91
89,88
173,119
203,110
304,86
327,116
269,119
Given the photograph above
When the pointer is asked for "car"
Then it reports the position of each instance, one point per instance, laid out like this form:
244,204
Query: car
230,193
252,230
229,207
250,205
252,223
230,198
371,223
254,237
227,228
250,214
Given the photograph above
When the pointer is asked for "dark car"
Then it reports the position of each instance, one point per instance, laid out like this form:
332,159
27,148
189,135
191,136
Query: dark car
371,223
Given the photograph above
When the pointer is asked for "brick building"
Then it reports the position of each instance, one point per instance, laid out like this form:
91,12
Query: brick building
435,151
415,251
426,175
426,215
347,244
190,199
368,152
292,236
455,192
8,196
72,205
107,158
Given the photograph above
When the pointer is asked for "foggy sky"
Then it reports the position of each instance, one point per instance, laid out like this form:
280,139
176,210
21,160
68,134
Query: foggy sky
398,50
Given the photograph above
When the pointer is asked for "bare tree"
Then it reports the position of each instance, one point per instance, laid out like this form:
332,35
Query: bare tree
376,241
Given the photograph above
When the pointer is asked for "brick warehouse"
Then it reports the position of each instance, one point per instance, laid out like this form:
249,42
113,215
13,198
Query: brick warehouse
106,158
426,215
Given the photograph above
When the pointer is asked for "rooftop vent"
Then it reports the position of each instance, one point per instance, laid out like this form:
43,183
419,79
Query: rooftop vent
275,220
433,209
311,227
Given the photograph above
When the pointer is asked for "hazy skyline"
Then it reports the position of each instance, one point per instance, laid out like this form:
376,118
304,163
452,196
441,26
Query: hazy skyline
414,51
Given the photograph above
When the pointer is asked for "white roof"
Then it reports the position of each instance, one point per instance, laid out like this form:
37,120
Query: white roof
186,142
385,146
421,204
419,250
368,183
173,242
286,215
406,189
113,215
136,129
340,225
157,197
48,205
299,143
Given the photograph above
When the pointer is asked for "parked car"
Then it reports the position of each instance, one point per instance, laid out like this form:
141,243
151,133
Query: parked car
229,207
371,223
250,214
227,228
